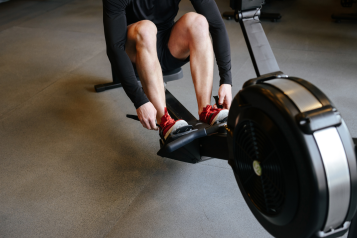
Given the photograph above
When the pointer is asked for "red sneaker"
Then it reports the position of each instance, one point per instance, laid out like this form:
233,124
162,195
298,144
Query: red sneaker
169,125
210,115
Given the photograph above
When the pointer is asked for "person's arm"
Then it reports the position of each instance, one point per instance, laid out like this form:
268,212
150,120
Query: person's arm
115,30
221,46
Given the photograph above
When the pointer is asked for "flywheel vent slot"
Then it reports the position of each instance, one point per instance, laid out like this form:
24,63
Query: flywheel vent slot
259,168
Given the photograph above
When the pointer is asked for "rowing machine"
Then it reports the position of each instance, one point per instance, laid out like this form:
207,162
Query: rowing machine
290,150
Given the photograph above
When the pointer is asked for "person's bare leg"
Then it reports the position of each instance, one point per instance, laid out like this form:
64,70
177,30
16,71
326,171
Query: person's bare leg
141,48
190,36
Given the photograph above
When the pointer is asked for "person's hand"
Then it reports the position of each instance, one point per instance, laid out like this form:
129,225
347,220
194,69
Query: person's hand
147,116
225,96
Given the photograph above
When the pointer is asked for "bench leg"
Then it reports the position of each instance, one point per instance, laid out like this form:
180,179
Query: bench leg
106,86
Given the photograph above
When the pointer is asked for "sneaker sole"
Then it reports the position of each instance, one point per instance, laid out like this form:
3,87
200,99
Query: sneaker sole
177,125
220,116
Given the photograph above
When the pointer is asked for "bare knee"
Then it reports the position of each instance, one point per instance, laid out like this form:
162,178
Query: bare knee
197,25
145,35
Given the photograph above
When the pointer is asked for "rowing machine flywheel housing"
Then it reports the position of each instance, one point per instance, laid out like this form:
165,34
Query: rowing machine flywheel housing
293,158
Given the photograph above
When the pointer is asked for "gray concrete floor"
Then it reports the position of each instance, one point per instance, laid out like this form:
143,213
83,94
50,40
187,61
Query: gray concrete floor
72,165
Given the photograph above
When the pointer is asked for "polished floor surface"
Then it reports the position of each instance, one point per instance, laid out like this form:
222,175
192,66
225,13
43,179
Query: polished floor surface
72,164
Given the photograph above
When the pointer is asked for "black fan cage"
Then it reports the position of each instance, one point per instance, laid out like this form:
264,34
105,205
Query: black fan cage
265,189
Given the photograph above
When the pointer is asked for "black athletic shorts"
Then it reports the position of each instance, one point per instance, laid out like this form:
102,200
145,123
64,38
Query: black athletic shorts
167,61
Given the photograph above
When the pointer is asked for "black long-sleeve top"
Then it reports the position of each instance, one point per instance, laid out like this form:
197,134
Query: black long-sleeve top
118,14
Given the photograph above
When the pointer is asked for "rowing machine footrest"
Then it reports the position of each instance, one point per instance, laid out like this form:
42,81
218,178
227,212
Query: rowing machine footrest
189,153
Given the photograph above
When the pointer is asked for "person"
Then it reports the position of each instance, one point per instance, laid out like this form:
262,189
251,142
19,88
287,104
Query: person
143,34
